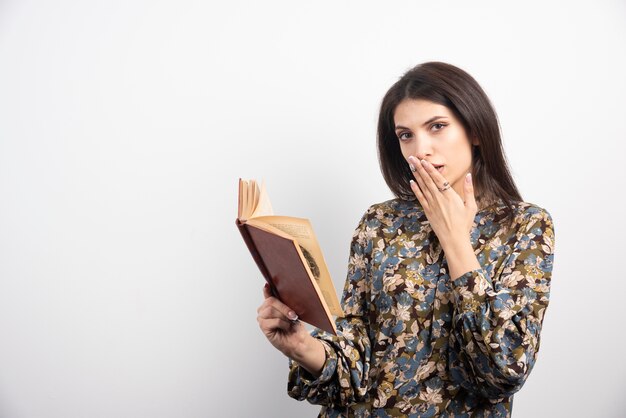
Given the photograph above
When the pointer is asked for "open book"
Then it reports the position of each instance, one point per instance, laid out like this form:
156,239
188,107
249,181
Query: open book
289,257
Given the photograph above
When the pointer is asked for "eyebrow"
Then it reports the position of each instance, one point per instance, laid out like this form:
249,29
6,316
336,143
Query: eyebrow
425,123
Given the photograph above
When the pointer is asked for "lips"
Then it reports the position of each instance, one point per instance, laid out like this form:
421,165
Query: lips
438,167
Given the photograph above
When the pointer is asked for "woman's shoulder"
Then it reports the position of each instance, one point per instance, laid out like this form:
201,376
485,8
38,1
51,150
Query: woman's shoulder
520,213
389,214
526,211
392,208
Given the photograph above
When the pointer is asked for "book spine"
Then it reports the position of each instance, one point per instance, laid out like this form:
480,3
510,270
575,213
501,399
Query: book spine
243,229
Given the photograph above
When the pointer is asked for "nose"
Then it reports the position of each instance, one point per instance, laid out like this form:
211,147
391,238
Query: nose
423,147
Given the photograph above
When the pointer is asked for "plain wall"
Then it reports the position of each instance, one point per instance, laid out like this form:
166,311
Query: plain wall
125,288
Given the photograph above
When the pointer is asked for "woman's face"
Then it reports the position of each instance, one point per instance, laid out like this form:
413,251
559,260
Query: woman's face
430,131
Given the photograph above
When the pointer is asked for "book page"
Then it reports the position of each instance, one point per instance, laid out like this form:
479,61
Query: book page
246,199
254,189
240,199
263,205
302,231
253,201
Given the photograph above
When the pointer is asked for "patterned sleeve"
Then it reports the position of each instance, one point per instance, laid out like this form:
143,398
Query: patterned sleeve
499,314
344,376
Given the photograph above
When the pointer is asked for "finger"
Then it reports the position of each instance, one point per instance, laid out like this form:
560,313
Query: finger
429,184
269,312
273,324
420,176
435,180
281,307
418,193
267,308
267,293
468,190
434,174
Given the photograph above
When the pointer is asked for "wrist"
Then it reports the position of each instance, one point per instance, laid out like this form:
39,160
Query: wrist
455,244
460,256
310,354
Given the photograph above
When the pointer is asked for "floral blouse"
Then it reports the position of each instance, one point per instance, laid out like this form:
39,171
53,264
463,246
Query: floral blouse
416,342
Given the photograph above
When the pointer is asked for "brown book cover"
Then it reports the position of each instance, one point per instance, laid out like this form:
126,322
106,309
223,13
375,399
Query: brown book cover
287,253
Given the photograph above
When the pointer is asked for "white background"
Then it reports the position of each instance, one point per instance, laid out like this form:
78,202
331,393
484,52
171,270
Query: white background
125,288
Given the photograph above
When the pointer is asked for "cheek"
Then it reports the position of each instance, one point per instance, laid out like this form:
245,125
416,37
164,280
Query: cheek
462,151
406,152
464,158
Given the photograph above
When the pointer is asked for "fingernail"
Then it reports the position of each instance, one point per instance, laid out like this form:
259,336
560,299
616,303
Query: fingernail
292,315
468,178
412,167
424,163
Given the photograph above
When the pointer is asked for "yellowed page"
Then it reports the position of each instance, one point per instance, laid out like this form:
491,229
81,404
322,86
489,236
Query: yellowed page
240,199
302,231
246,198
249,198
261,223
255,196
263,205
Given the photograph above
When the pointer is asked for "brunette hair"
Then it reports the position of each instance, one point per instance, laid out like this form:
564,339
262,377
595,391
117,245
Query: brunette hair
455,89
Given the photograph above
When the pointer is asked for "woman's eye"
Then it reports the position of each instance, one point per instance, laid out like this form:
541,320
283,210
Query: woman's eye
404,136
437,126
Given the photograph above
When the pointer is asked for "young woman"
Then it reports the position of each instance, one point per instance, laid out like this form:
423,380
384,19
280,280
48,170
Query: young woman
447,284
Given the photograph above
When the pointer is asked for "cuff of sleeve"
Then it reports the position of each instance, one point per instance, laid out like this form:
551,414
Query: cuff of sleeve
307,379
470,290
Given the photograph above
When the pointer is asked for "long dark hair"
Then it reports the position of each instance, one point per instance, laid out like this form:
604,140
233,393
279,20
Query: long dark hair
455,89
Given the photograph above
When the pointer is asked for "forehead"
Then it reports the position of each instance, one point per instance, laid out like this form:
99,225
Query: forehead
418,111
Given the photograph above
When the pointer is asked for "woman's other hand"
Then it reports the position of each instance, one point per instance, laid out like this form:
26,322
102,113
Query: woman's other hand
284,331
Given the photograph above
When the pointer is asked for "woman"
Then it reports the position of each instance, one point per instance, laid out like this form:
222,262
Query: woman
447,284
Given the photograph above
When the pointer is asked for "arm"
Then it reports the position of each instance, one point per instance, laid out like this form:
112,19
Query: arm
498,315
343,378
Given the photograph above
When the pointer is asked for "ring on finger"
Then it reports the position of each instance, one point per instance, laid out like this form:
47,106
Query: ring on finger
445,187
